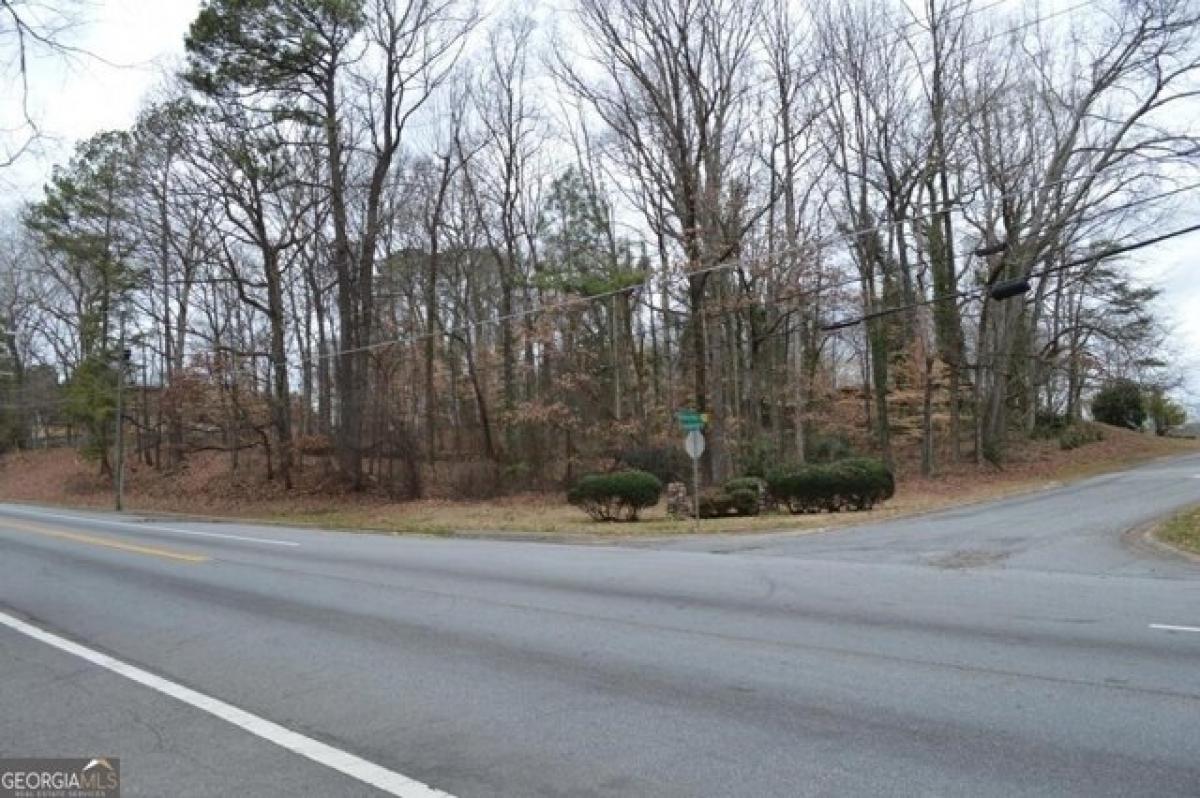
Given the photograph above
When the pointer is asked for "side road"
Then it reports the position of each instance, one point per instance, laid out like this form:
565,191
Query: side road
1074,528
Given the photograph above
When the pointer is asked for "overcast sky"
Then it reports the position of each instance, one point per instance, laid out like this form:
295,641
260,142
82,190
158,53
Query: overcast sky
144,38
71,101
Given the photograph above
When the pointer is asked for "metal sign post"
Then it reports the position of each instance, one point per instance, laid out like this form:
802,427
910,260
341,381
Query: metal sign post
119,483
693,422
694,445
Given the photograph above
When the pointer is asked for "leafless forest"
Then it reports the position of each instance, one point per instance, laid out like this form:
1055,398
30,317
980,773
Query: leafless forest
396,243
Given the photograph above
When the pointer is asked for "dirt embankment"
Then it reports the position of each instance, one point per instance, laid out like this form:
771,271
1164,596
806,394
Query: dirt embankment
207,486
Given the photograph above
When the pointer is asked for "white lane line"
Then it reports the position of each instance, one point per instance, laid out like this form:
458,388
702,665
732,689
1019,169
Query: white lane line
154,527
355,767
1168,628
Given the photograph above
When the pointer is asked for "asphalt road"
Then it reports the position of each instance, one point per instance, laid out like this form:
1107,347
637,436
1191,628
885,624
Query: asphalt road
1013,648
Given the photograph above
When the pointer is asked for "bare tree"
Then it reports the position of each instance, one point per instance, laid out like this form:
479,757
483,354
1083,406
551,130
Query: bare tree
669,82
1103,120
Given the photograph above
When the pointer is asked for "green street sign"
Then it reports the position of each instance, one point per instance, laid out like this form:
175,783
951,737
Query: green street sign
691,420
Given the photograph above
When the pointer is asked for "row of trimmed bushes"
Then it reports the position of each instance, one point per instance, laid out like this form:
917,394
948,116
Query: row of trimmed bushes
851,484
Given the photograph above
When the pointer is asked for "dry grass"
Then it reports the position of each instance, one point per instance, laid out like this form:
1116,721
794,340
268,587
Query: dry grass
1182,532
206,487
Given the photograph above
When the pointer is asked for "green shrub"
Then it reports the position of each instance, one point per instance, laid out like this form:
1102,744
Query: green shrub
715,503
617,496
880,482
783,486
854,483
745,501
807,489
1165,413
1079,435
748,494
744,483
858,484
718,502
1120,403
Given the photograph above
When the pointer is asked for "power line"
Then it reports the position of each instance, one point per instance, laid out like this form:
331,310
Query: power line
977,292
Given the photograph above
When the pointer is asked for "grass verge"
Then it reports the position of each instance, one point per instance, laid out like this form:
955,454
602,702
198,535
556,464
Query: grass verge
1182,532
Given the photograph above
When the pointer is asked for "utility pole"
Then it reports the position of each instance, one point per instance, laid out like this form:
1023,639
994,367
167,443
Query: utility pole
120,479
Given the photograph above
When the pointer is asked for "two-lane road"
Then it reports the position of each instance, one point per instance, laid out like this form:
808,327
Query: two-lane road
1014,648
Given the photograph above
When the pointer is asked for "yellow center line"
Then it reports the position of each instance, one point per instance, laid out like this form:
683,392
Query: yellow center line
109,543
